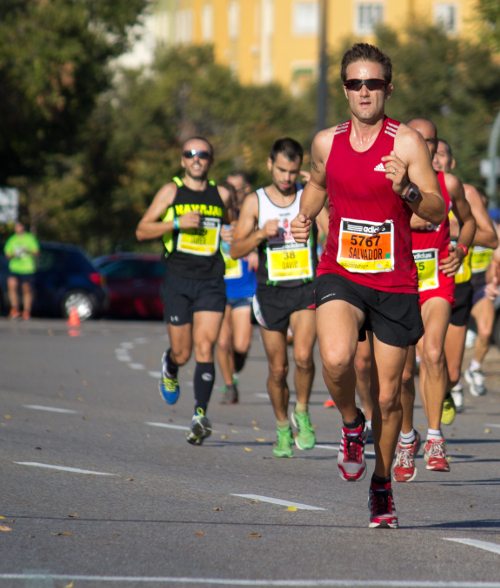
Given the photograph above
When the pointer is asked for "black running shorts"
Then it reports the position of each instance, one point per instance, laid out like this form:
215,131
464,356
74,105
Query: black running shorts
460,311
394,318
272,305
184,296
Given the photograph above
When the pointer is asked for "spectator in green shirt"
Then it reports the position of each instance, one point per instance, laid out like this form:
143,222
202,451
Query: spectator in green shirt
21,250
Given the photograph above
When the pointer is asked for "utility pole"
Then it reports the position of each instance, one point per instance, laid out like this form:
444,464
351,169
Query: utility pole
322,65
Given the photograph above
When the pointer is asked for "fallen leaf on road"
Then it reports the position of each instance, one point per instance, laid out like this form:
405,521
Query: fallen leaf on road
200,533
254,535
70,585
260,439
63,534
74,515
7,417
217,508
248,449
5,529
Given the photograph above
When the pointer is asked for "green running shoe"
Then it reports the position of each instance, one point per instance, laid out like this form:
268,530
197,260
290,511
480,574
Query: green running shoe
201,428
284,442
449,411
305,438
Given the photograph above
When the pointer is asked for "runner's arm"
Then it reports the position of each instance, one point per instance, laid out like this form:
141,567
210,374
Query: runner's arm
414,165
314,194
486,235
246,235
151,226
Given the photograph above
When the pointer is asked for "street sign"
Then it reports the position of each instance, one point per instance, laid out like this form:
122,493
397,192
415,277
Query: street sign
9,205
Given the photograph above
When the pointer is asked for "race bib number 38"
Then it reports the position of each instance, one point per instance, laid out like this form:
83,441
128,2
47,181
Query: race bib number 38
202,241
289,263
366,246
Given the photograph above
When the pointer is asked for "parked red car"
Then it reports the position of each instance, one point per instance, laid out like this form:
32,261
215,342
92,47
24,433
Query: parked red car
134,282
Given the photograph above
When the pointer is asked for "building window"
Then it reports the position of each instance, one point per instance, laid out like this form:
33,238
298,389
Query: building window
303,74
207,23
445,15
233,19
184,26
368,16
305,18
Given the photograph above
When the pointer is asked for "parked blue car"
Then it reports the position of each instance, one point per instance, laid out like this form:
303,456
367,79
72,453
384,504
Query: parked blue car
65,278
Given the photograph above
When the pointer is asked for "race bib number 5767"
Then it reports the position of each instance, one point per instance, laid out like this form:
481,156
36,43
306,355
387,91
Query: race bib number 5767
366,246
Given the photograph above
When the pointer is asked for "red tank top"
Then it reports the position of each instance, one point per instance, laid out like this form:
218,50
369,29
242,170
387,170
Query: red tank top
430,247
369,238
438,237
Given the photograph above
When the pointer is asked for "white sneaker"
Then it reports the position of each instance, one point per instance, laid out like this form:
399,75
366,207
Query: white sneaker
470,339
475,379
457,393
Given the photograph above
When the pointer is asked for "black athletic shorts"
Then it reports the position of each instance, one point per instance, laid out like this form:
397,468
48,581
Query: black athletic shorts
394,318
460,311
272,305
184,296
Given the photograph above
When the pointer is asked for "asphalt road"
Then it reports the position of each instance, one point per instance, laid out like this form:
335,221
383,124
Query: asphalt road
99,487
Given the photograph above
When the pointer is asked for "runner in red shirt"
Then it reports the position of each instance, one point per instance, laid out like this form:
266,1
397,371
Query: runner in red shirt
376,172
437,262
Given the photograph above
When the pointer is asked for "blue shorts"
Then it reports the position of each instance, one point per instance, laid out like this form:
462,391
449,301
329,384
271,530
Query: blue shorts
23,278
239,302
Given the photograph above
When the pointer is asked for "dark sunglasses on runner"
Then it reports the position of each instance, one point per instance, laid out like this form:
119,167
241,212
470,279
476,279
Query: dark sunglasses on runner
371,84
195,153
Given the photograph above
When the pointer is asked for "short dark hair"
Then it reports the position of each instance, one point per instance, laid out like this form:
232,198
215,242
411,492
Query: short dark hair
447,145
199,138
290,148
366,52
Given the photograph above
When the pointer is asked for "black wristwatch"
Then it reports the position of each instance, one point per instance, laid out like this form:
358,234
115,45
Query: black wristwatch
412,193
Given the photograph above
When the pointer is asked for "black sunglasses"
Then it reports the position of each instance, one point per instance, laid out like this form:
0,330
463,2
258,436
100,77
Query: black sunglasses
195,153
371,84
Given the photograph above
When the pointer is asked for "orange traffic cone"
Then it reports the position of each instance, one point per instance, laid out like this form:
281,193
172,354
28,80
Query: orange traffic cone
74,317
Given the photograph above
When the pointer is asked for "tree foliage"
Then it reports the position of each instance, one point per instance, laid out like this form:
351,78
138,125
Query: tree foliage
54,57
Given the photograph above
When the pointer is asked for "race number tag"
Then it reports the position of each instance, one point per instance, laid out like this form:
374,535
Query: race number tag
234,267
291,261
201,241
366,246
426,261
481,259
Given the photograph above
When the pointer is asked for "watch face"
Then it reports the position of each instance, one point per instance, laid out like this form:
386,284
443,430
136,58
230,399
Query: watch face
413,194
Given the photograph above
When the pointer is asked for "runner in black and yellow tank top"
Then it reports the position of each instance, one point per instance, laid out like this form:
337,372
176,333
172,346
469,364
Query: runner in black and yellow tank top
187,213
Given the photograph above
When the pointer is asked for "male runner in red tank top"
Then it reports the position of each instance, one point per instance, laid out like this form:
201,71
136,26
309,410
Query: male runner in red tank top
437,263
376,172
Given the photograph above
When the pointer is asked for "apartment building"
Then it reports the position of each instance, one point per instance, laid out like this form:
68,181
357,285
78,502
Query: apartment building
278,40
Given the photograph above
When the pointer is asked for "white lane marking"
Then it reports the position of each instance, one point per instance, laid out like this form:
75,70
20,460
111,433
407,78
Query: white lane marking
486,545
141,340
155,375
172,580
50,408
167,426
494,425
136,366
127,345
297,505
124,358
48,466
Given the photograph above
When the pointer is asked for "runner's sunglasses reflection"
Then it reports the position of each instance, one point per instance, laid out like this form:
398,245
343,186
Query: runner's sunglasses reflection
189,154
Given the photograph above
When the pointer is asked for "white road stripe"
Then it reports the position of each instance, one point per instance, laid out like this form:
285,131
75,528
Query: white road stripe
47,466
127,345
168,426
170,580
486,545
50,408
124,358
155,375
494,425
136,366
297,505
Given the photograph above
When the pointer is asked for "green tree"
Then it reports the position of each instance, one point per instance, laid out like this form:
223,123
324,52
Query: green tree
54,57
140,126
